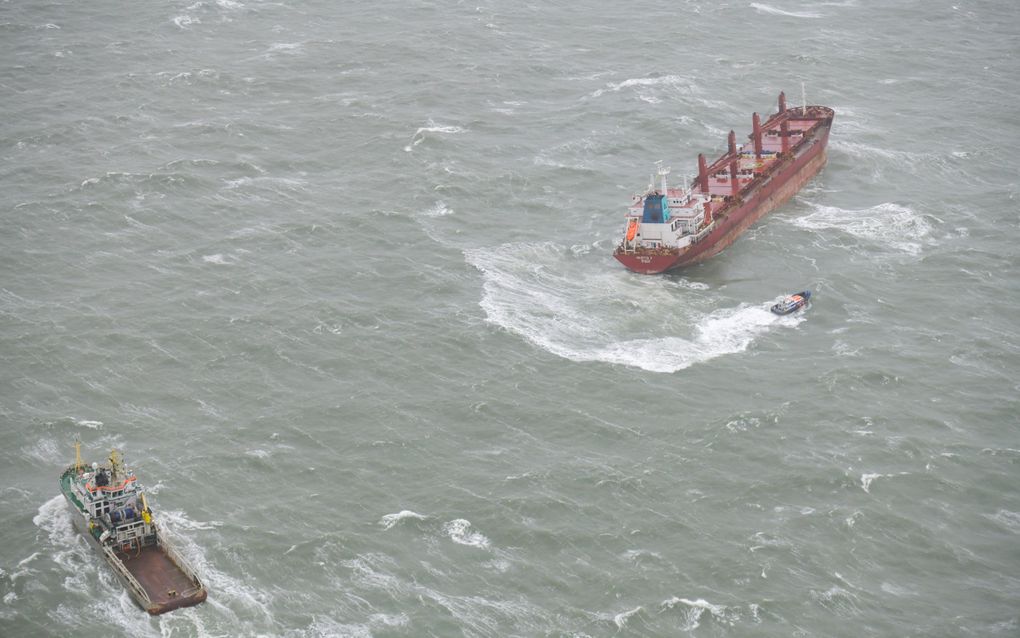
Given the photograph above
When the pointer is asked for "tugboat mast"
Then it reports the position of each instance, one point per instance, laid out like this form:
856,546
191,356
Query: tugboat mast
78,464
116,466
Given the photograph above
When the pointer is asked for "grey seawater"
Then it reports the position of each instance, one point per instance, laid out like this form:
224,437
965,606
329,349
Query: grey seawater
337,280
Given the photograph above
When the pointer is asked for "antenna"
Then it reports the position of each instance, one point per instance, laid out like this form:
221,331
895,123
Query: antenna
803,99
663,172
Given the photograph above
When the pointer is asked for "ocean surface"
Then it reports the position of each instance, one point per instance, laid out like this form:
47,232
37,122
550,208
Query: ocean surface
336,279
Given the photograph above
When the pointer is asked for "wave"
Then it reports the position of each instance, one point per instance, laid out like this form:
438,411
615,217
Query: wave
228,589
423,133
694,610
765,8
893,225
669,81
390,520
185,21
621,618
868,479
1009,520
459,532
550,296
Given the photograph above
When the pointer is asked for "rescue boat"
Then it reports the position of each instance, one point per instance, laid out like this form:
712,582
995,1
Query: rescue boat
792,303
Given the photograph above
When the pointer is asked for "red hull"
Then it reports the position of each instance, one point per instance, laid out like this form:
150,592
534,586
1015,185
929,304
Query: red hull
752,202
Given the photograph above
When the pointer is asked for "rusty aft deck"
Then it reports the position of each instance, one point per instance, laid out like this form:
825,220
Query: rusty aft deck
166,584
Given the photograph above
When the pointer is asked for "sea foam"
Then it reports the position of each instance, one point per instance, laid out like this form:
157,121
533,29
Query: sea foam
425,132
390,520
459,531
546,294
895,226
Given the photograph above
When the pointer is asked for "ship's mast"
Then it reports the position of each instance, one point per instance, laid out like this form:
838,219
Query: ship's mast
663,172
803,99
77,456
116,465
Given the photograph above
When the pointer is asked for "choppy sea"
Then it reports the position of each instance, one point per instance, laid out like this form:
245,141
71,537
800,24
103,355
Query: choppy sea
336,279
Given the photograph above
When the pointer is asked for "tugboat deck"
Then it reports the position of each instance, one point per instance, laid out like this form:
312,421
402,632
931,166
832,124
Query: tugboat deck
165,583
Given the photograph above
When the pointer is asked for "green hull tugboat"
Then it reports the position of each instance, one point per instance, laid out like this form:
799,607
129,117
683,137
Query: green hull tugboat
110,509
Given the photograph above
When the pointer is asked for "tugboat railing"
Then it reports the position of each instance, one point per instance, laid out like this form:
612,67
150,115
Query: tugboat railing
133,584
178,560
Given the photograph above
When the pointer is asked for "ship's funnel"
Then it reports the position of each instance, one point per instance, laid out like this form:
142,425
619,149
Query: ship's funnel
702,173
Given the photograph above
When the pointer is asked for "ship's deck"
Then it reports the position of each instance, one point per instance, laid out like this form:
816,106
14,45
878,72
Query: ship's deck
160,577
719,183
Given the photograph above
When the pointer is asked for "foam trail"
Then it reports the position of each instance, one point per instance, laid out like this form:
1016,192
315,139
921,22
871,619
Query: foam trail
549,296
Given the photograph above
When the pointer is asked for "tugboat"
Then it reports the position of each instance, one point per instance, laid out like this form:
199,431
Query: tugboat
111,511
792,303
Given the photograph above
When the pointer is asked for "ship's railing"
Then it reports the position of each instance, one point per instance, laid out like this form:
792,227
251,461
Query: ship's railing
703,233
133,584
178,560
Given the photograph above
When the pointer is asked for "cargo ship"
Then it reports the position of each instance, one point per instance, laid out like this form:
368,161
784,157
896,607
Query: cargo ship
668,228
112,512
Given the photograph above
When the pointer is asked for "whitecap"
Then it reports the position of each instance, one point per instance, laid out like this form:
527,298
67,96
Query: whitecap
621,619
438,209
390,520
896,590
764,8
893,225
1009,520
185,21
216,259
179,521
459,531
666,80
432,128
694,609
286,47
868,479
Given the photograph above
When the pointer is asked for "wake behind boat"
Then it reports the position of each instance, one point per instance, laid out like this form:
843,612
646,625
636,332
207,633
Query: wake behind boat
111,511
